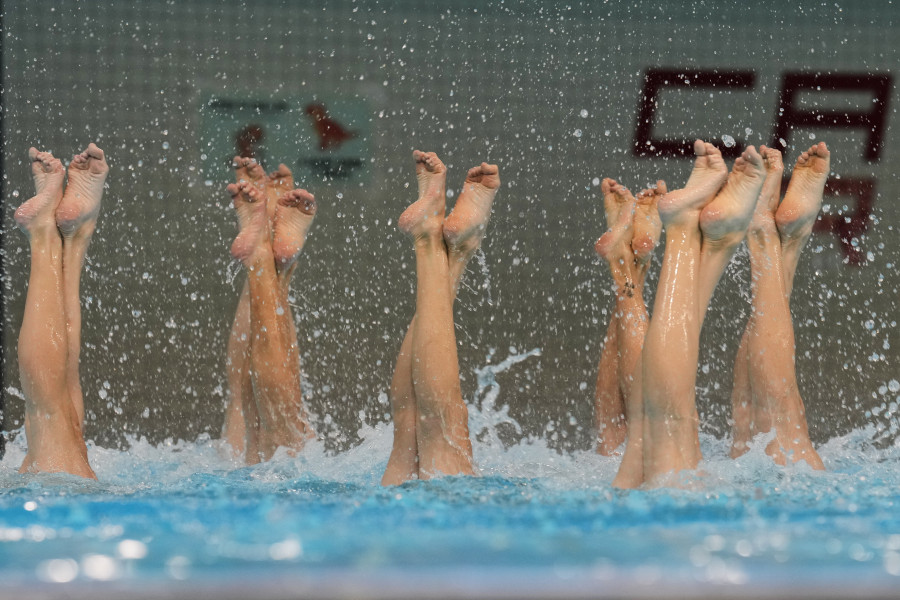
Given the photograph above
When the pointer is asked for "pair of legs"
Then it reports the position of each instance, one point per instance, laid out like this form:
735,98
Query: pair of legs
265,408
628,246
704,223
59,222
431,430
765,395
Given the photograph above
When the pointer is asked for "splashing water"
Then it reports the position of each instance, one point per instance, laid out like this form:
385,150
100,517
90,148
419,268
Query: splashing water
537,520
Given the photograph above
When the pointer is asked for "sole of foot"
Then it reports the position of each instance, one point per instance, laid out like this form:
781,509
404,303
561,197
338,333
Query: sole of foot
77,211
647,224
250,207
615,245
39,211
293,217
706,179
464,228
767,203
425,217
803,199
726,218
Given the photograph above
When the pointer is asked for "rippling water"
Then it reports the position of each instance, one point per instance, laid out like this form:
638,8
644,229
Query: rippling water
536,521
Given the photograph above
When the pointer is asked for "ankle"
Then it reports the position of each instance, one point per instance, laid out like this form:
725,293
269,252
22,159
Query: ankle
429,240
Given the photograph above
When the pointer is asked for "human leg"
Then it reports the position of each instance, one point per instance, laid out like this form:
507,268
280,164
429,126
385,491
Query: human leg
776,401
53,424
462,231
609,403
724,221
631,324
794,219
442,431
671,345
274,356
76,219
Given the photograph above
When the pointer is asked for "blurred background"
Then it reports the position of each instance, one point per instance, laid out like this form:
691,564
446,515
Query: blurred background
559,95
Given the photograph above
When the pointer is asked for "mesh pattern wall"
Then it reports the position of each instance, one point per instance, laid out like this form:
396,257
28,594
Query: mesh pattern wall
548,91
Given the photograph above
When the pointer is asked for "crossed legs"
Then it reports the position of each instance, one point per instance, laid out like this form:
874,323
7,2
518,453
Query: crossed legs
59,227
265,409
431,435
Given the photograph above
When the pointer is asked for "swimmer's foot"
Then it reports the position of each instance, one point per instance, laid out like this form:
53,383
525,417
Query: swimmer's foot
725,219
647,225
38,213
293,217
803,199
77,211
248,170
250,206
424,218
277,184
763,218
709,173
465,227
615,245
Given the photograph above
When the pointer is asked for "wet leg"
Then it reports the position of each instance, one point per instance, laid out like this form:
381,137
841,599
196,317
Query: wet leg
776,398
53,425
403,463
241,427
794,219
442,430
609,404
725,219
741,394
463,231
274,356
76,219
671,346
631,325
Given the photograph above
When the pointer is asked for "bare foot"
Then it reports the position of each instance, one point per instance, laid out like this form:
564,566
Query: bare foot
277,184
250,206
77,211
706,179
465,227
764,214
293,217
38,212
249,170
803,199
425,217
647,225
725,219
615,244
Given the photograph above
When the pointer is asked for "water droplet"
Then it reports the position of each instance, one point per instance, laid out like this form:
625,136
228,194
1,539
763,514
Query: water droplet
894,385
577,133
584,113
728,141
165,145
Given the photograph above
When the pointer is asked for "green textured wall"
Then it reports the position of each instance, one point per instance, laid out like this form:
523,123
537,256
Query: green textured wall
548,91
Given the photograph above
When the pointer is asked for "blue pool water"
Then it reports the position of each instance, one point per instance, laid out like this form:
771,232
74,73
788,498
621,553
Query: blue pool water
537,523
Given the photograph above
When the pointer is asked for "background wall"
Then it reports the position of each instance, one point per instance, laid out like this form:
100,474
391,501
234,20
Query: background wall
550,92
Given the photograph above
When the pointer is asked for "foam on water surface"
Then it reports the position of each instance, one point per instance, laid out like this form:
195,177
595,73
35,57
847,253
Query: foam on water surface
188,512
